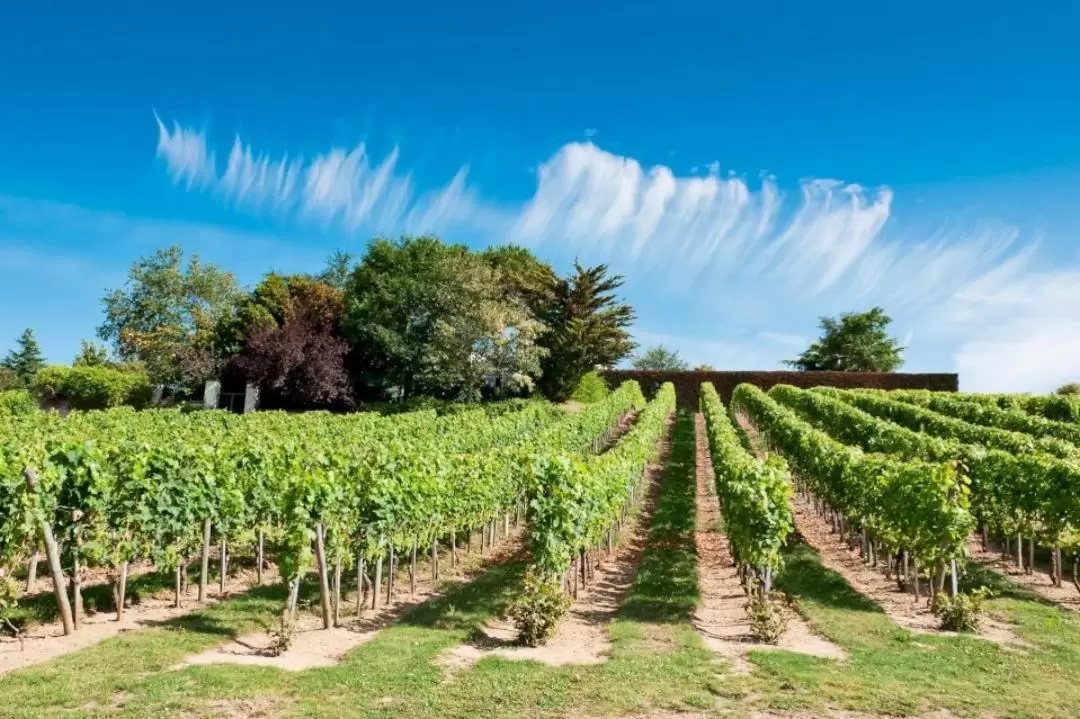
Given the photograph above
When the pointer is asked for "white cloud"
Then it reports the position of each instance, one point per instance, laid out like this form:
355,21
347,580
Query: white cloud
184,151
744,252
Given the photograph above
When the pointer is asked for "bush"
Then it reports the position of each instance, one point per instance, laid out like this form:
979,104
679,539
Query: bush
962,612
592,388
9,380
768,619
17,401
86,388
536,613
1069,390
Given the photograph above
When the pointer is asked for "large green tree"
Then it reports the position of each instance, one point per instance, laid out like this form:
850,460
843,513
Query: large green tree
430,318
25,360
659,358
853,342
587,326
168,314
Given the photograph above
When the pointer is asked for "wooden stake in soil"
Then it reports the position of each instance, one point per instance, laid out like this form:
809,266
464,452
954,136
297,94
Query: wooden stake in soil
337,592
223,567
176,598
453,550
359,586
76,585
378,583
434,559
324,583
259,558
1031,554
31,572
121,591
391,574
412,569
205,567
52,557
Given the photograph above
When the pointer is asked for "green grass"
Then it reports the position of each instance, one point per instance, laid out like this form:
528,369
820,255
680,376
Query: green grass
657,663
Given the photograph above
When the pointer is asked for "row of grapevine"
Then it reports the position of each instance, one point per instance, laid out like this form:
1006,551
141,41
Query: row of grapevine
1062,408
577,501
879,403
990,414
108,488
1034,495
754,495
913,506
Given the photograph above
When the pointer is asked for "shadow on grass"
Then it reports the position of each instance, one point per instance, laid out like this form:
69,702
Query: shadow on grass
976,576
665,589
805,577
464,605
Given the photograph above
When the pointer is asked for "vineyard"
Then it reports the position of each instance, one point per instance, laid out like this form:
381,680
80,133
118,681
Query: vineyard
893,553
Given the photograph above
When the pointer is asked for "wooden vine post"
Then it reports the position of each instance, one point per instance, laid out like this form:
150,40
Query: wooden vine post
324,584
52,557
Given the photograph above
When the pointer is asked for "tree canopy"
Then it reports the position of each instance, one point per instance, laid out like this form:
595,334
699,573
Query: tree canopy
659,358
586,328
25,360
167,316
853,342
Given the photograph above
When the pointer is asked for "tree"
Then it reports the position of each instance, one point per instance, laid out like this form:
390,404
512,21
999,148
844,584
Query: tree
167,316
704,367
1071,389
91,354
24,361
659,358
854,342
586,328
338,268
435,319
291,346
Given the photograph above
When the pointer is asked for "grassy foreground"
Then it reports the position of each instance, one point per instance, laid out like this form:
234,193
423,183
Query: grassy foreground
658,664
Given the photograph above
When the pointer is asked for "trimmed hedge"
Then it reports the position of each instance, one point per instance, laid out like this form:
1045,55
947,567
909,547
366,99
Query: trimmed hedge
591,388
85,388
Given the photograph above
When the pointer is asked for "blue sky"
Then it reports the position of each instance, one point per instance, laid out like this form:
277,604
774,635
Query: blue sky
748,169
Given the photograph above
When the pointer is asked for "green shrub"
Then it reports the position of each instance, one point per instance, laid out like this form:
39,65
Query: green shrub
16,401
592,388
9,380
960,613
1069,390
536,613
86,388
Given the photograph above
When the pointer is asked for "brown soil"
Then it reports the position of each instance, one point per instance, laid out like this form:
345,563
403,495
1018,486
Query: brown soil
900,605
312,646
582,636
720,617
1065,596
47,641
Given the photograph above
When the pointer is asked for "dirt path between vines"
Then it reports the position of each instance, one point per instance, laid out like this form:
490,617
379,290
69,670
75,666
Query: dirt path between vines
901,606
312,646
43,642
720,617
582,636
1065,596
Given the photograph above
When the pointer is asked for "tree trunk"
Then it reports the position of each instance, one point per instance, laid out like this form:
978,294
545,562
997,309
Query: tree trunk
223,566
506,524
52,557
324,584
204,570
259,557
121,591
31,571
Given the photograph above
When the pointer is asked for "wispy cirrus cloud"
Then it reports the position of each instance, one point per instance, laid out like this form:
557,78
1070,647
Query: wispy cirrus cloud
746,251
